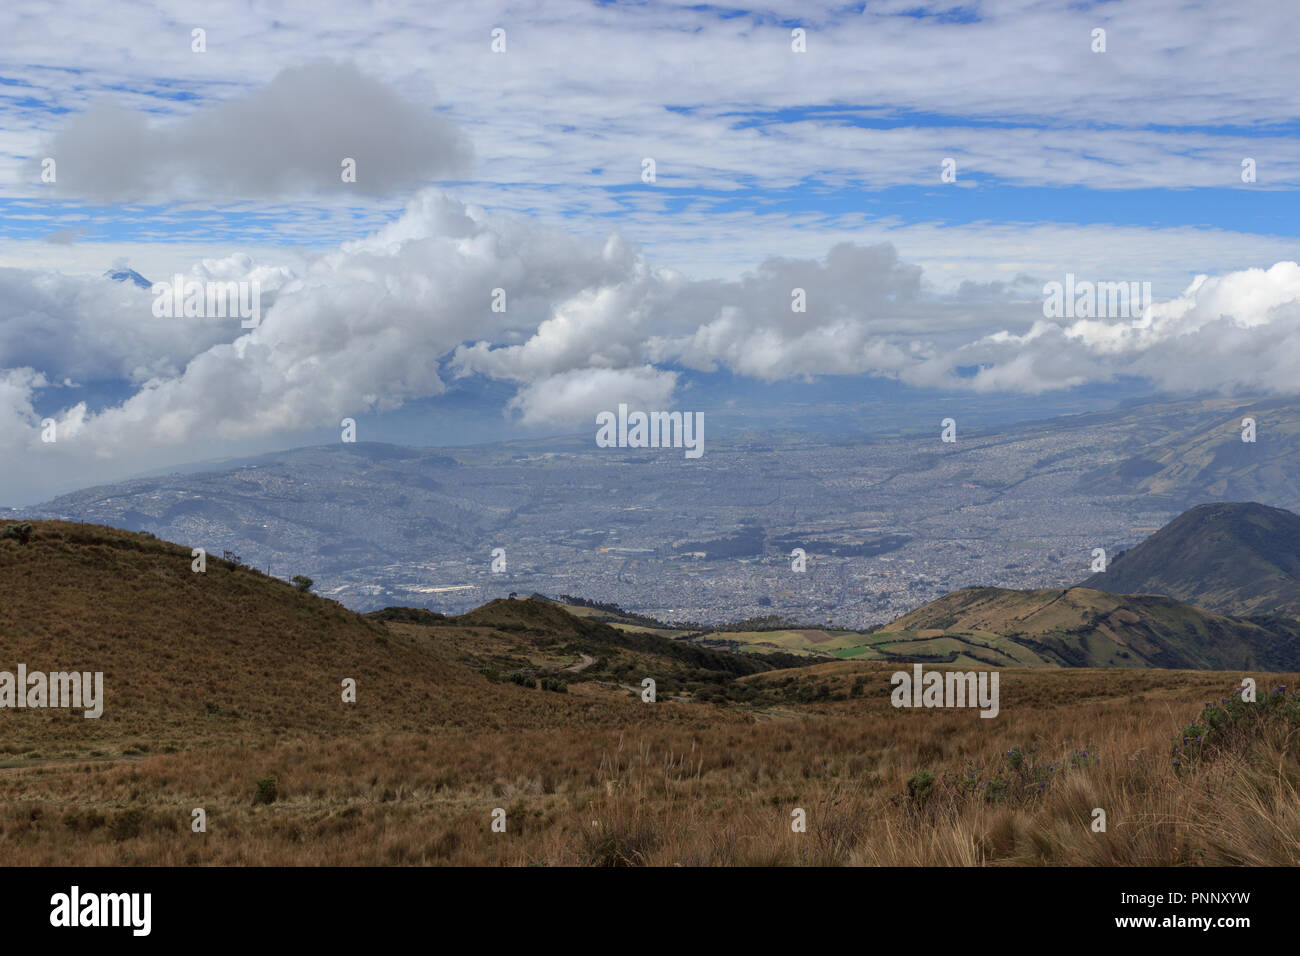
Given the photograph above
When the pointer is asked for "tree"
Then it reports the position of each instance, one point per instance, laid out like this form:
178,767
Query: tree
302,582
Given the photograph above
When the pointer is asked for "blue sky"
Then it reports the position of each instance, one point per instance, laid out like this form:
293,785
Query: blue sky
1262,212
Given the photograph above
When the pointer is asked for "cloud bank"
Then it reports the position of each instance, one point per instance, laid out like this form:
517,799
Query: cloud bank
381,321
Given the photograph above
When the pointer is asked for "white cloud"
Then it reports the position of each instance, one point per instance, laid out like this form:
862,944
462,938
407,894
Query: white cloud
577,395
288,138
587,325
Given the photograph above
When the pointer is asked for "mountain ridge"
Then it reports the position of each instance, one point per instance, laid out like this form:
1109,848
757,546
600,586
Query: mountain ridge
1085,627
1235,558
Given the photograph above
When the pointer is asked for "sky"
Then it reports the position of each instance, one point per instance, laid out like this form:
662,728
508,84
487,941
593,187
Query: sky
912,174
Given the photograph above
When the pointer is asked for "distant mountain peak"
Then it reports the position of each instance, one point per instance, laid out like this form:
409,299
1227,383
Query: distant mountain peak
1230,557
123,274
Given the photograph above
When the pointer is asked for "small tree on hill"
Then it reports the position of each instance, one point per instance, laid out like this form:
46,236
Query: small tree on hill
302,582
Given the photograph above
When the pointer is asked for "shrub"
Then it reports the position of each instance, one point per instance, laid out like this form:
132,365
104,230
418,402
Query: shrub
302,582
127,824
84,822
1016,758
523,680
1235,725
22,533
995,790
1024,779
555,684
919,787
268,791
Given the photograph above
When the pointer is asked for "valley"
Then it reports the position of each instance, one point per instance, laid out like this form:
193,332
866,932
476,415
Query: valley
888,522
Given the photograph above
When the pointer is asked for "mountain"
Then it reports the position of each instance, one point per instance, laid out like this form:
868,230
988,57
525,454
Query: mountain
1192,451
128,275
1217,587
1081,627
1240,559
888,522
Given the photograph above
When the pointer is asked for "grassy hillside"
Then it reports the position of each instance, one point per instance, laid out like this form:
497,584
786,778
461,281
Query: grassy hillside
231,653
190,655
1057,627
223,694
1081,627
1240,558
782,644
539,638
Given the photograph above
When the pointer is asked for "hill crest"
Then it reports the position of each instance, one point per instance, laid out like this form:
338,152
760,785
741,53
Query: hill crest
1239,558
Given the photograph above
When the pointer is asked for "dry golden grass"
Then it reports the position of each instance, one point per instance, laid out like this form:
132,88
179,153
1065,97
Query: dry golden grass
412,772
708,788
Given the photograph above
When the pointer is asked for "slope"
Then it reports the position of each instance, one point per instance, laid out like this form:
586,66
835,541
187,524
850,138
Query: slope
1080,627
1233,558
232,655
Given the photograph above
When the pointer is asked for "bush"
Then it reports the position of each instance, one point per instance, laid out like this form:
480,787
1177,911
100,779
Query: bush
302,582
1024,779
22,533
555,684
919,787
127,824
84,822
523,680
1235,725
408,615
268,791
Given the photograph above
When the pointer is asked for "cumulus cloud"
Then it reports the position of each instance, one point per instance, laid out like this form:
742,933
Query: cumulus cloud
579,394
92,328
585,326
239,267
17,386
1239,331
360,329
287,138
